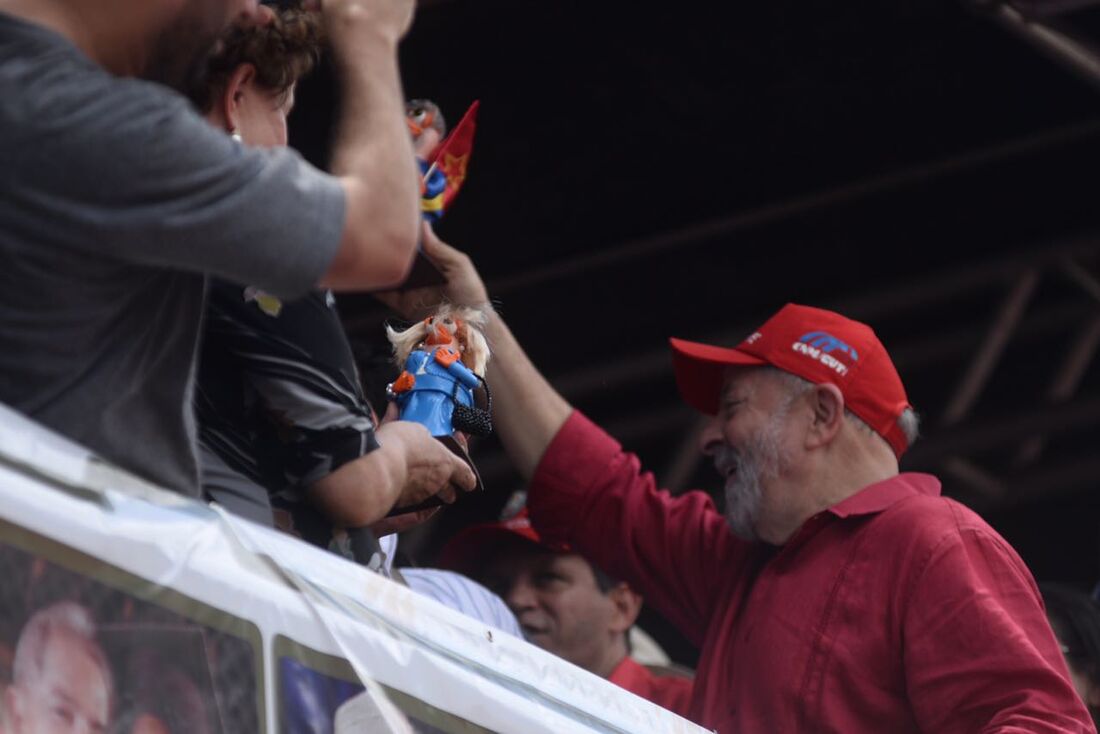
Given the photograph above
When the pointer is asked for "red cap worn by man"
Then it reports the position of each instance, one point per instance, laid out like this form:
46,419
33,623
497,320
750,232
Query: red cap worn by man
848,597
564,604
817,345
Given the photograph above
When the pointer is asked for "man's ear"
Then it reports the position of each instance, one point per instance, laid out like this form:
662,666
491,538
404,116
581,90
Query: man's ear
236,86
827,404
626,605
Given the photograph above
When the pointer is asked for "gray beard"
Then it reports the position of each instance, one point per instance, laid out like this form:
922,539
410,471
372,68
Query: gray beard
744,492
755,464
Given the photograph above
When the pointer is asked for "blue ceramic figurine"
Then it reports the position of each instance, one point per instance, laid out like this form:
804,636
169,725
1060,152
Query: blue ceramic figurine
443,359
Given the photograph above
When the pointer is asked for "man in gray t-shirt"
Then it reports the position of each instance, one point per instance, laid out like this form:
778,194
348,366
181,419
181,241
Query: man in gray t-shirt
118,201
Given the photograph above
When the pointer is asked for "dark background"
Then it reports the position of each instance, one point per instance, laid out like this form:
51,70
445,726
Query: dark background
641,172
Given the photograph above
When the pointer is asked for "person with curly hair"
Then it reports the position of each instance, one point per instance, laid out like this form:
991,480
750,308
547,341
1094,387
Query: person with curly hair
284,426
248,87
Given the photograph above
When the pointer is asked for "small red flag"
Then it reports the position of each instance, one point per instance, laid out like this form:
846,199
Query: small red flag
453,154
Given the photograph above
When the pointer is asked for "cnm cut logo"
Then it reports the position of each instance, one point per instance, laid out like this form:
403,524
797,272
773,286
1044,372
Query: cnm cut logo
828,343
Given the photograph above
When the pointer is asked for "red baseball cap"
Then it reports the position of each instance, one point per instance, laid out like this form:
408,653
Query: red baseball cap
467,551
817,345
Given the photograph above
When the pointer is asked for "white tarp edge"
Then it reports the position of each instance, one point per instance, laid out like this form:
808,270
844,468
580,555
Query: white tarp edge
291,591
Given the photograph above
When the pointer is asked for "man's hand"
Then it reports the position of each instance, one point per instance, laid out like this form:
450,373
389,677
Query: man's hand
463,286
407,468
348,22
430,468
262,16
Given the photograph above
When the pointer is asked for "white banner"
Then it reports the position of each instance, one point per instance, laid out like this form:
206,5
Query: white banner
171,614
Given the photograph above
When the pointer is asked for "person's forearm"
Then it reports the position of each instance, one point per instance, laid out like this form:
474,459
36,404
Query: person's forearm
407,468
362,491
373,155
527,411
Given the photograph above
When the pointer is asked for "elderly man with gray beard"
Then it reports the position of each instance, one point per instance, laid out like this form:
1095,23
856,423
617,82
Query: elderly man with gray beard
848,597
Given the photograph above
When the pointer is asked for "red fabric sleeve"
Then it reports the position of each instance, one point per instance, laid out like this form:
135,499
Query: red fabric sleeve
974,608
675,551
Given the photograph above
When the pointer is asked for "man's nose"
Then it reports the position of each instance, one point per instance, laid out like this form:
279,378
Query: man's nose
711,436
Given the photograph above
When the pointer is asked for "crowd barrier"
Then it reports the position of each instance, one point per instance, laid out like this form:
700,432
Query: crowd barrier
209,623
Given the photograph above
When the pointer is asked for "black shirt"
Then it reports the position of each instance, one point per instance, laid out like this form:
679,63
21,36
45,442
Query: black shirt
279,398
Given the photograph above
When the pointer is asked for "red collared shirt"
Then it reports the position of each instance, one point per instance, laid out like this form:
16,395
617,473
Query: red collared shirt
897,610
670,692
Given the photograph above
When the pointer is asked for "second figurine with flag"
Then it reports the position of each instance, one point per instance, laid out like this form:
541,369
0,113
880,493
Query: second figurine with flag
442,358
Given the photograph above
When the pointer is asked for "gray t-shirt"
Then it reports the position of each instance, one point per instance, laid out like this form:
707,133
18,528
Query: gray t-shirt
116,202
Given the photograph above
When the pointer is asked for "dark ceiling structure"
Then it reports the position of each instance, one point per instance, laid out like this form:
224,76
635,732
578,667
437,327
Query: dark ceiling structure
684,169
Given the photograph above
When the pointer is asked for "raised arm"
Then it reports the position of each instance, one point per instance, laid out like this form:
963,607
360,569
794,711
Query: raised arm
527,411
588,492
373,153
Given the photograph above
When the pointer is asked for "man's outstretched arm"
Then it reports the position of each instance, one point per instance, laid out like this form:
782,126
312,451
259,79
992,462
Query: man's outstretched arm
373,153
583,488
407,468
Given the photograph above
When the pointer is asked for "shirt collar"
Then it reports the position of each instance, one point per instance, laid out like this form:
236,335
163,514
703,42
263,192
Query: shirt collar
627,673
877,497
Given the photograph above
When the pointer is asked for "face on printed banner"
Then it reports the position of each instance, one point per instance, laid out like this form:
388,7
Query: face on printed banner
88,657
63,682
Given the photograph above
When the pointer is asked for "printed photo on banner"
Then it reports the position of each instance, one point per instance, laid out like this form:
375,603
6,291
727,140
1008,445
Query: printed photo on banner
318,692
86,647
